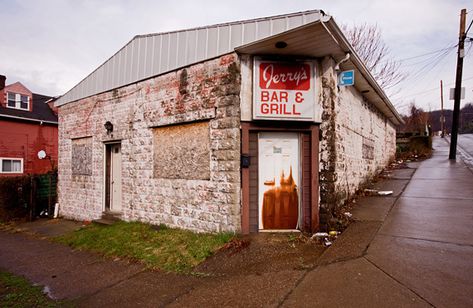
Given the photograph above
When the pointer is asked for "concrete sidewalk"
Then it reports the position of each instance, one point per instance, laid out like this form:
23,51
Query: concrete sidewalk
422,254
413,248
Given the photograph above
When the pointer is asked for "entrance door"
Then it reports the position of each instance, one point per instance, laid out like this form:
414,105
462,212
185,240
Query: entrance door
113,181
279,180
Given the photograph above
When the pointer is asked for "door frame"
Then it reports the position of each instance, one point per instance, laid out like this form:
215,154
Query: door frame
312,129
107,146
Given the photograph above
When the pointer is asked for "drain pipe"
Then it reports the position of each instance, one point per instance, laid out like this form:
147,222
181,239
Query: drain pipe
56,210
337,66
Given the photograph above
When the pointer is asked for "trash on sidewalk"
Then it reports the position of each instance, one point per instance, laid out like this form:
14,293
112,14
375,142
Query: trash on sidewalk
325,238
319,235
333,233
370,192
374,192
327,242
348,214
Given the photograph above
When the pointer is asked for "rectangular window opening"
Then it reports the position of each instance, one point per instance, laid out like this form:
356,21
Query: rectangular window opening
18,101
11,165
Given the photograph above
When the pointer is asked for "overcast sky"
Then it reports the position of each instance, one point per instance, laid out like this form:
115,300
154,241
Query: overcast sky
50,45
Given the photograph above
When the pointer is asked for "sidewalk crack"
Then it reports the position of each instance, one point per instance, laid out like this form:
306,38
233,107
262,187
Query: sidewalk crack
399,282
426,240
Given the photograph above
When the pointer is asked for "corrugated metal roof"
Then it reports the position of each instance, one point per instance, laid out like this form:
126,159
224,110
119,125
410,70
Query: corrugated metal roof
149,55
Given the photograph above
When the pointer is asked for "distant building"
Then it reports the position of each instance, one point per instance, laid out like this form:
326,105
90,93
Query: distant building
242,126
28,124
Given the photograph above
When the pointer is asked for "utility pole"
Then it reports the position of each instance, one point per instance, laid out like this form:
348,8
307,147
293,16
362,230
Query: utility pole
442,118
458,86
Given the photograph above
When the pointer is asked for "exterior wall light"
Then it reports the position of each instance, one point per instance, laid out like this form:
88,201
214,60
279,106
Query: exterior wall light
280,45
108,126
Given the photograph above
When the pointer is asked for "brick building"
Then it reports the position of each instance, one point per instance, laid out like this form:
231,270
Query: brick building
28,124
238,127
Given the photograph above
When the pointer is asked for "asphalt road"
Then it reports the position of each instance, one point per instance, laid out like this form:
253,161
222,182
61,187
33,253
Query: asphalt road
465,147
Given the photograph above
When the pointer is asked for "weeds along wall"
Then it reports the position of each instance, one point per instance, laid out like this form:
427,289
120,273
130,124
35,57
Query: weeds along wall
190,117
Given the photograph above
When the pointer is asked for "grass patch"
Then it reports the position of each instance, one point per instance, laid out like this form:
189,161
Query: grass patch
16,291
160,247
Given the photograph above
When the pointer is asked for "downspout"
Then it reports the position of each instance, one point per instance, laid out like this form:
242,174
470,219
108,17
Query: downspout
359,64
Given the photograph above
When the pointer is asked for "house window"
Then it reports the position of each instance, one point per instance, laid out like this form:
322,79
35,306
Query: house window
11,165
18,101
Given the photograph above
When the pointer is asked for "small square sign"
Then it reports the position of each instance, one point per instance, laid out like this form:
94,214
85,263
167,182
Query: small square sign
346,78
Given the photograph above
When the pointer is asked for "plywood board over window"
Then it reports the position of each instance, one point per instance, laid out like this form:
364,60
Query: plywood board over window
81,160
182,151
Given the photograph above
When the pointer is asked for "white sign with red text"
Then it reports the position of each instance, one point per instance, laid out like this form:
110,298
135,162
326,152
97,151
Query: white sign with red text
284,90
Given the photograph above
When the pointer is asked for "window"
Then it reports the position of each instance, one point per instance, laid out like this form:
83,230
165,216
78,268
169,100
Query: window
182,151
18,101
11,165
12,100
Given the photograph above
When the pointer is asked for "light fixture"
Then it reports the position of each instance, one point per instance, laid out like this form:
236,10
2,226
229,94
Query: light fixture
280,45
108,126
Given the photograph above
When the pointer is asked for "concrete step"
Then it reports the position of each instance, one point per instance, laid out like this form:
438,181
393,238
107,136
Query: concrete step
104,221
114,216
109,218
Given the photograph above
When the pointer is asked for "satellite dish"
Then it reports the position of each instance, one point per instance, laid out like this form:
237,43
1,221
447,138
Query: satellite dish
42,154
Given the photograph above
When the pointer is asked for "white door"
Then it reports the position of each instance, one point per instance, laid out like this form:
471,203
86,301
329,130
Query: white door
278,180
116,178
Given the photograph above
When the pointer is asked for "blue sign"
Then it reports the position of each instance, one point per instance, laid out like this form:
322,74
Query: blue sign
346,78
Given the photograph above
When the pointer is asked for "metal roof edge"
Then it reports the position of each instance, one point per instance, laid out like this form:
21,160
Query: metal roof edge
239,48
62,98
58,102
330,22
141,80
28,119
234,23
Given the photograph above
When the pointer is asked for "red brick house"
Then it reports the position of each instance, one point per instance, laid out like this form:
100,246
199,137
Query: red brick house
28,124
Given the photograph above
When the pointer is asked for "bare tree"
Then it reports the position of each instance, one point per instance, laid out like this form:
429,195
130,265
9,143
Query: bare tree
368,43
417,120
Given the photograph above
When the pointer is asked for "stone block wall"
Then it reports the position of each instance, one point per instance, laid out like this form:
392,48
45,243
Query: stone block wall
366,141
205,92
358,141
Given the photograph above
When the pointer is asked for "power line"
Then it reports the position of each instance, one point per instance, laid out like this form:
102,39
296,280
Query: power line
425,54
468,27
423,92
432,63
419,56
429,65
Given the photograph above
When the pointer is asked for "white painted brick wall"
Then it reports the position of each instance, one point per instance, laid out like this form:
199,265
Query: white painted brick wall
348,119
199,205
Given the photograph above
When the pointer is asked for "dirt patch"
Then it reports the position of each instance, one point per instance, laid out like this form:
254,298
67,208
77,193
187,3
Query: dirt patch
262,253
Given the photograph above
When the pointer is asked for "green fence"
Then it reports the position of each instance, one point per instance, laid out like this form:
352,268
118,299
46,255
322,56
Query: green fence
27,197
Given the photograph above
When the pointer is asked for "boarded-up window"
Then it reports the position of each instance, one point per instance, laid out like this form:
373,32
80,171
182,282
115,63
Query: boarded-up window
81,160
367,149
182,151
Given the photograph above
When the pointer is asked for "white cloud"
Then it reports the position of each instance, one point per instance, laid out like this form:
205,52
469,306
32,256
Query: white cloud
51,45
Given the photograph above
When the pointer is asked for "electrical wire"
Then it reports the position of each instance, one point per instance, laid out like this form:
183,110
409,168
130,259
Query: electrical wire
428,65
399,105
418,56
468,29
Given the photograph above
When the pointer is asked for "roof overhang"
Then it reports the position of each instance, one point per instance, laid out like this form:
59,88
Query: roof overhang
324,38
28,119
